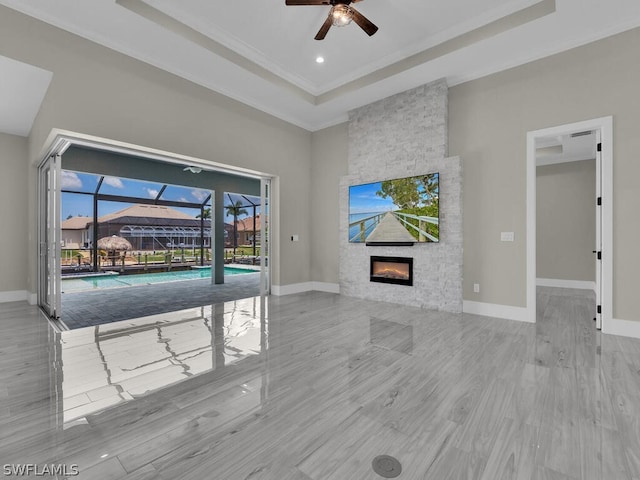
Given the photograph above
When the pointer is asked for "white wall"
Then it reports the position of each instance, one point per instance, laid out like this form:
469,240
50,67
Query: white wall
566,221
99,92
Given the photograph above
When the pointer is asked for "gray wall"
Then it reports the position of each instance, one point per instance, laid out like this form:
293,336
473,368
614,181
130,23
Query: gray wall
99,92
566,221
329,149
13,213
489,119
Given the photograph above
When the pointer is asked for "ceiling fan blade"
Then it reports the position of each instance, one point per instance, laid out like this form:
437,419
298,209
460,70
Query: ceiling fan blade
307,2
363,22
324,28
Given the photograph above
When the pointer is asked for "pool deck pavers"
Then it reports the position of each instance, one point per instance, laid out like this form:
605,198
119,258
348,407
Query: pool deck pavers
95,307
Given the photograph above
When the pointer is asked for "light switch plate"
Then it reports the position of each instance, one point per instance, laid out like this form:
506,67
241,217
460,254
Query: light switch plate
507,236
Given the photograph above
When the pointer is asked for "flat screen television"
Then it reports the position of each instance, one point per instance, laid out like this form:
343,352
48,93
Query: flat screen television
402,211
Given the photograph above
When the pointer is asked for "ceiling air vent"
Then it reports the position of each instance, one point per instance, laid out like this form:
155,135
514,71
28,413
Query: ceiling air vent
581,134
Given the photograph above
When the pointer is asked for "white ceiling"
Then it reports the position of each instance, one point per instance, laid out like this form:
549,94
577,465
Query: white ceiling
262,53
572,147
22,89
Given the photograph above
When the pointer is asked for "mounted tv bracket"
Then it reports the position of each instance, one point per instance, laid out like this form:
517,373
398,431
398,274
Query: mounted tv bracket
390,244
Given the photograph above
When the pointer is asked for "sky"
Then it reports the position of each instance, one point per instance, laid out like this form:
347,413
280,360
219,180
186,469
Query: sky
82,205
363,199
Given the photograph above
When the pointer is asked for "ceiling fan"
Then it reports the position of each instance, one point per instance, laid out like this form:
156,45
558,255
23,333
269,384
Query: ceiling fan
341,14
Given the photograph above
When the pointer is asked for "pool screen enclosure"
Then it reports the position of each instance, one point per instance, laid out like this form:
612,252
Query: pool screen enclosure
205,212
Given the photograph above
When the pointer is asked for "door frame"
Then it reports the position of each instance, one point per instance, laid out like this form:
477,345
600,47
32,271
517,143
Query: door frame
59,141
605,126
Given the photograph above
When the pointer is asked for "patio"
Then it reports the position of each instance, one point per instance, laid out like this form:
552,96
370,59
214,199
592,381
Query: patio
88,308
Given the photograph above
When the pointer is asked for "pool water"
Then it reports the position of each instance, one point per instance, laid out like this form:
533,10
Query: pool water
112,281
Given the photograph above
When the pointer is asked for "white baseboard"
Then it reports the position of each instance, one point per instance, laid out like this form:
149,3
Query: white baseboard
14,296
279,290
555,282
32,298
519,314
624,328
326,287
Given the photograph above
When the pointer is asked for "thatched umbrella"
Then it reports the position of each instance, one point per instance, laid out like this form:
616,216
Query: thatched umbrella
114,244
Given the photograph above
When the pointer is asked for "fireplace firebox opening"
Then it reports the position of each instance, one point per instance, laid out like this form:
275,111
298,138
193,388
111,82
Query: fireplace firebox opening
397,270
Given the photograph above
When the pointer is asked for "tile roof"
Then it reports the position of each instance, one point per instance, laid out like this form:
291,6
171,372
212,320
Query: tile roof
76,223
147,211
246,224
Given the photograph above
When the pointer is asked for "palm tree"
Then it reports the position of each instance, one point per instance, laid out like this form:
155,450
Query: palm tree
205,215
236,209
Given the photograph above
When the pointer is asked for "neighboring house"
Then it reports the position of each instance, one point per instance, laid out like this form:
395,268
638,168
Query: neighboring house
75,233
249,230
147,227
154,227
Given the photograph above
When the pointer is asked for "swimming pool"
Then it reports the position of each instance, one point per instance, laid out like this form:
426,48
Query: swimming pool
70,285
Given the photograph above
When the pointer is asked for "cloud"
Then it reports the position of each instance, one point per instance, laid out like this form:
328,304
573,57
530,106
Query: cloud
70,180
200,195
114,182
153,193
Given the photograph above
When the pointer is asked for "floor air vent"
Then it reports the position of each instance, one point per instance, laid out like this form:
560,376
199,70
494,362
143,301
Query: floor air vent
386,466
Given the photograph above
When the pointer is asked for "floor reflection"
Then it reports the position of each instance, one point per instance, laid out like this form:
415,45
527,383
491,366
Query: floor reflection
342,381
391,335
109,364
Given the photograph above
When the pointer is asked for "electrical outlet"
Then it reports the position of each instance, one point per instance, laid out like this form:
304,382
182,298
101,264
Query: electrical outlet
476,288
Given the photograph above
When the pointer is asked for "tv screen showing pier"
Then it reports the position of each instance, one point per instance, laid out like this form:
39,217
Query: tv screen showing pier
402,211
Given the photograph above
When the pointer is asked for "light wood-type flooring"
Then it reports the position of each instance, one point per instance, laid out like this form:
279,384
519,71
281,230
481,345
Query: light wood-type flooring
314,386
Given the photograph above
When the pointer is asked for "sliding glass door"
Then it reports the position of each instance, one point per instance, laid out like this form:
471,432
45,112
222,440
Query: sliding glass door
49,236
265,244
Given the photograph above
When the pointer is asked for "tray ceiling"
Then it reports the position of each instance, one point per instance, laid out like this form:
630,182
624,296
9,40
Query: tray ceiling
262,53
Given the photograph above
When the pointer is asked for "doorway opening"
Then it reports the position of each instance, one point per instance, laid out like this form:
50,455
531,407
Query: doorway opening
179,226
584,148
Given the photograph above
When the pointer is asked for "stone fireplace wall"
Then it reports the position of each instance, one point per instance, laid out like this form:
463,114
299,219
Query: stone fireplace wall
401,136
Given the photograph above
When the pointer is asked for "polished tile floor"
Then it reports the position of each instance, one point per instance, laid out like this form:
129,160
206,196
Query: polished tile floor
314,386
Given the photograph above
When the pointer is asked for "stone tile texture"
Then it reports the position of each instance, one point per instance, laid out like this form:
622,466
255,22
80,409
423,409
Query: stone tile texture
400,136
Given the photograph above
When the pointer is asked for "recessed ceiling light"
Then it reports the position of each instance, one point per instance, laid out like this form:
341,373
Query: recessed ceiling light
320,60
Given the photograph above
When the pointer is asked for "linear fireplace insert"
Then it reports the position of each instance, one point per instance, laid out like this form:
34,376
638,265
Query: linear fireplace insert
398,270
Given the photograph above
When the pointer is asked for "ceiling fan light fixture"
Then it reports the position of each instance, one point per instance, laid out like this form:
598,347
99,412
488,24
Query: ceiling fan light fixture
341,15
